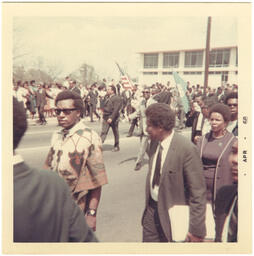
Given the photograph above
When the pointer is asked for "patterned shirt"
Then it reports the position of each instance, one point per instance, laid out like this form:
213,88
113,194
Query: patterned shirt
77,157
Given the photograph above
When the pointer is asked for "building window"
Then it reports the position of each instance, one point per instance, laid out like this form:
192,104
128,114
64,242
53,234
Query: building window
171,60
151,60
224,76
219,58
193,59
167,73
192,72
150,73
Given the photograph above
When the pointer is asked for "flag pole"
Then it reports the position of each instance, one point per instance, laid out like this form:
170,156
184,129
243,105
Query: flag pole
207,53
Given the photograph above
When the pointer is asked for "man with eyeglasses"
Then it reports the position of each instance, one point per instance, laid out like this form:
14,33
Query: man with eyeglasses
232,101
76,155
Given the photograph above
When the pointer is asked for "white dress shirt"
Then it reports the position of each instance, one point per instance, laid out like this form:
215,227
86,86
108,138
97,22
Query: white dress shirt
165,146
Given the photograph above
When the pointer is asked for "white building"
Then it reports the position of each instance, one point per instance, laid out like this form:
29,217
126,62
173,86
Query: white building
190,64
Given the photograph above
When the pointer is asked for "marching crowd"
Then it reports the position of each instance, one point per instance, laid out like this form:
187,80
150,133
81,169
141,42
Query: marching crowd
180,172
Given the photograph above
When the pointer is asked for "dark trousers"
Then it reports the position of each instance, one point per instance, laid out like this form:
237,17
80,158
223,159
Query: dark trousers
134,123
41,114
105,128
92,110
152,230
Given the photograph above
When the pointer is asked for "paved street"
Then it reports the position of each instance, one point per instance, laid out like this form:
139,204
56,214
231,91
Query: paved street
122,201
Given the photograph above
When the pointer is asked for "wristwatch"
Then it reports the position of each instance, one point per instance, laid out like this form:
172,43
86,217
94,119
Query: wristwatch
91,212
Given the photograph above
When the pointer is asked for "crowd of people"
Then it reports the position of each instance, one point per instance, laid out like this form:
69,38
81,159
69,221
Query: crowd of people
193,172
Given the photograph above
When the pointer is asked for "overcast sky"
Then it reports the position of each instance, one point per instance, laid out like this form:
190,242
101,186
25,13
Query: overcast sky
100,41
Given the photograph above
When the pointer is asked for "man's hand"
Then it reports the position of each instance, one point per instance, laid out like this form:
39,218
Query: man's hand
196,139
109,121
91,221
191,238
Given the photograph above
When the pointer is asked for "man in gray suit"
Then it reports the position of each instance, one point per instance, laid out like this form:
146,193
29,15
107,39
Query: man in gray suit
175,178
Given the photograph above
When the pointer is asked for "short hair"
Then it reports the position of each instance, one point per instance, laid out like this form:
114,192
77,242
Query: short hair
32,81
203,97
19,122
70,95
113,88
223,109
161,115
209,102
231,95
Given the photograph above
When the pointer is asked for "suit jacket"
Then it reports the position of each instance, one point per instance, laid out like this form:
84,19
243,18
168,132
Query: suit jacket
112,107
93,98
44,210
182,182
41,98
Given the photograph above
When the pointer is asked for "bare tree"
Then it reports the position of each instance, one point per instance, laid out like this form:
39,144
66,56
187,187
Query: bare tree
19,47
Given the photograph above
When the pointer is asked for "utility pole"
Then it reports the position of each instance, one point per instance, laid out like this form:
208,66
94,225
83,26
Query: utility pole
207,53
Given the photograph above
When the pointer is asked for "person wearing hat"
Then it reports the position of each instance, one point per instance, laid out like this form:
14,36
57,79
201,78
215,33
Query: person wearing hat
214,149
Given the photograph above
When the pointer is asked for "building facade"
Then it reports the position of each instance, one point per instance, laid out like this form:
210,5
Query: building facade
190,65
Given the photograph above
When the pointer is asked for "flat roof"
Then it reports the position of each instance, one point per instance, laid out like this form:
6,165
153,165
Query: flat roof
187,50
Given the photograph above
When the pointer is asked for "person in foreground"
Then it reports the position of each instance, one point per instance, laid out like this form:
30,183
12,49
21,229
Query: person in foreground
175,177
43,208
76,155
226,204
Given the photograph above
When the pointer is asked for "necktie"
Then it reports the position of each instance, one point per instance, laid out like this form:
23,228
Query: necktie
157,172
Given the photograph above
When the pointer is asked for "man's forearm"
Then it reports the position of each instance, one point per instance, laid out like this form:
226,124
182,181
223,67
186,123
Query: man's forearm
95,196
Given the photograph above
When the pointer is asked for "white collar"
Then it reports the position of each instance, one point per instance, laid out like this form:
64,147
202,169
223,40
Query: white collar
17,159
167,141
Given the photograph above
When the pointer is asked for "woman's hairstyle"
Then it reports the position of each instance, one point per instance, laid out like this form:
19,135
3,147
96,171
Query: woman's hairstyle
161,115
223,109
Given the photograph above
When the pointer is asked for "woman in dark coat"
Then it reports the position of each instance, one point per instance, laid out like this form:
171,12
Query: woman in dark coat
214,148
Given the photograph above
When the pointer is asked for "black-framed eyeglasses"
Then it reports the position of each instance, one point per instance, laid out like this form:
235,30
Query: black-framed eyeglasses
146,92
232,105
66,111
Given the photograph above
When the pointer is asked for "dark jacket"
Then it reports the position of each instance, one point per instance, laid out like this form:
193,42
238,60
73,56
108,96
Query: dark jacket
190,118
44,210
76,90
112,107
41,95
194,131
224,201
93,97
163,97
235,130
